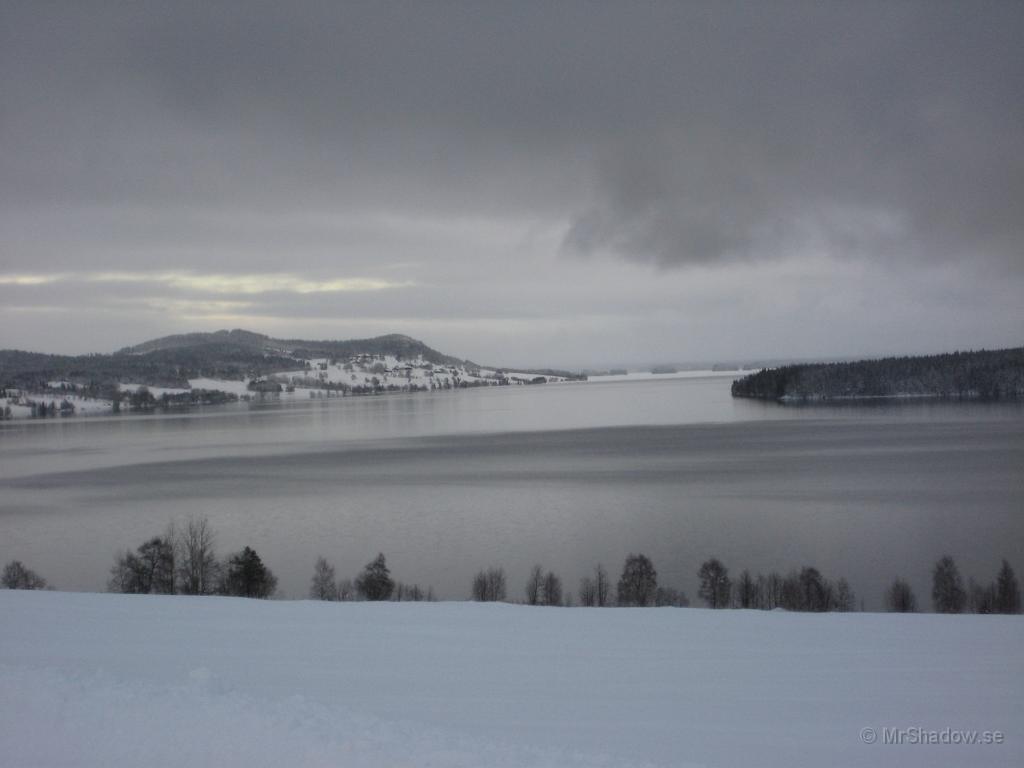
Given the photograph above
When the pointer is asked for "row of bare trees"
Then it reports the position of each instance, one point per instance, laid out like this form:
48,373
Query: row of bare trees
803,590
17,576
373,583
638,585
949,595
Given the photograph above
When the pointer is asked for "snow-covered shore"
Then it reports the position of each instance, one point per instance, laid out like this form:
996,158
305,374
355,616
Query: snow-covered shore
320,377
91,680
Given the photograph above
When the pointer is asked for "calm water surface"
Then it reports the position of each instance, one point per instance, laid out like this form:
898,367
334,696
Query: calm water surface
564,475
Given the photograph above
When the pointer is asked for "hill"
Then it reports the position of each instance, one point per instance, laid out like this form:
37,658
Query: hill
237,340
981,375
171,361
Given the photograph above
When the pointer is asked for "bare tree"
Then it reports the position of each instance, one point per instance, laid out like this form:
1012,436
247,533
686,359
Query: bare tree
198,570
158,558
638,583
414,593
534,584
124,574
602,586
479,589
346,590
770,590
323,586
747,590
715,586
489,585
148,570
17,576
899,598
588,592
843,598
948,594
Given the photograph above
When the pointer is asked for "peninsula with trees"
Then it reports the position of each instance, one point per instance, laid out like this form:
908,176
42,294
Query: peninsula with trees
973,375
197,369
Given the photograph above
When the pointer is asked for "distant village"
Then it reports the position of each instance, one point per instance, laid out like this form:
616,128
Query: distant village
361,374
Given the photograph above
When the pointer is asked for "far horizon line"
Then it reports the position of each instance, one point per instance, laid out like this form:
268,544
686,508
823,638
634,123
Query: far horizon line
739,361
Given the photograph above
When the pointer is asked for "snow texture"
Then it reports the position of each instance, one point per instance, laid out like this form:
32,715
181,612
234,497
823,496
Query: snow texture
101,680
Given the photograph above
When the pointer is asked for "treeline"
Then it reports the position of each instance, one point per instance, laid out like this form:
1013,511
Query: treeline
800,590
165,368
982,375
184,561
950,595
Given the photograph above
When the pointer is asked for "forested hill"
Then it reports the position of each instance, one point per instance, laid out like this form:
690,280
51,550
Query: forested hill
983,375
393,344
170,361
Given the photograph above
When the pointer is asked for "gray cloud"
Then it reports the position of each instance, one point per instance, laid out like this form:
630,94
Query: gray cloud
467,147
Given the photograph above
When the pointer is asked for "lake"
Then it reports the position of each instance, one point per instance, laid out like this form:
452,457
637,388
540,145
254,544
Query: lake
565,475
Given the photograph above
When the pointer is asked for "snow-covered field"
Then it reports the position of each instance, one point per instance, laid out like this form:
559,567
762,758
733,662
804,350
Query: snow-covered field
104,680
83,405
389,370
155,391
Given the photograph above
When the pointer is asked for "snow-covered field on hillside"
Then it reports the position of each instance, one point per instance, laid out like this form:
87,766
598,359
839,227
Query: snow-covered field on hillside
102,680
387,369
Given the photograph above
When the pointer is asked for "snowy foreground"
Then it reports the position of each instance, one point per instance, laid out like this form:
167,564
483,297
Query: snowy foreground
111,680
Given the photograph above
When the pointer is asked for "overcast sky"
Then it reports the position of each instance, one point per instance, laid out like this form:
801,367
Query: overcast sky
520,183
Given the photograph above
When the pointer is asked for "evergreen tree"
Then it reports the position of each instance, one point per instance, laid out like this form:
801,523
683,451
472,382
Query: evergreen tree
814,590
245,575
375,582
551,589
1007,590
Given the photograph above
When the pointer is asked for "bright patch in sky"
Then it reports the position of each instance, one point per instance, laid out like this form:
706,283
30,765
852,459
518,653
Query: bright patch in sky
217,283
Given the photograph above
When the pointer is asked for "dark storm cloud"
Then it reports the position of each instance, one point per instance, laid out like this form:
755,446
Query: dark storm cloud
674,133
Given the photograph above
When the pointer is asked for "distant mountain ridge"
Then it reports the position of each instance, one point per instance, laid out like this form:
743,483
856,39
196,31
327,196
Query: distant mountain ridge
170,361
978,375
